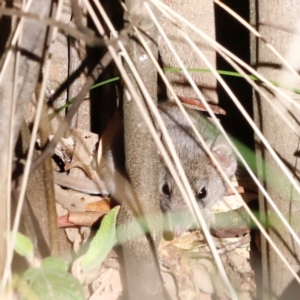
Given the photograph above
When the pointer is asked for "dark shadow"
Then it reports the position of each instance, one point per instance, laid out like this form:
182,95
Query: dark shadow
232,35
64,85
5,25
161,87
294,117
236,38
104,98
268,65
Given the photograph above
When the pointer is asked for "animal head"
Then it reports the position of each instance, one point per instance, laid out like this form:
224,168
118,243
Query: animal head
206,181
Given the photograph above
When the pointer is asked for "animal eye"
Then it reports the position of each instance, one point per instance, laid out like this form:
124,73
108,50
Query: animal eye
166,189
202,193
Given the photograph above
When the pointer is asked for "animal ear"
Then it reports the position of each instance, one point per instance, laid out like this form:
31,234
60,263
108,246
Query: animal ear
223,153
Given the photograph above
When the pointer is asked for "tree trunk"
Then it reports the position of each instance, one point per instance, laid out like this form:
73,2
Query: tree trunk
204,19
141,269
277,279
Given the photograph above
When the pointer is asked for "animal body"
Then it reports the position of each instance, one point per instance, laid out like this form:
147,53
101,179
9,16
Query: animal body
206,181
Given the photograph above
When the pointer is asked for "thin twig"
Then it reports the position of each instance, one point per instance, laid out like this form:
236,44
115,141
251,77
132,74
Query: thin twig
49,187
89,38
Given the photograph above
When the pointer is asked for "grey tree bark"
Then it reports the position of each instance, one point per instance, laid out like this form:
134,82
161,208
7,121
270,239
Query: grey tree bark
202,15
141,269
277,280
143,278
33,41
5,111
5,115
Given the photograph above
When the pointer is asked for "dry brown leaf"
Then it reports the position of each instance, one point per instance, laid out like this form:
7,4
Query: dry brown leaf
84,152
108,286
239,189
103,205
74,201
181,268
198,105
85,218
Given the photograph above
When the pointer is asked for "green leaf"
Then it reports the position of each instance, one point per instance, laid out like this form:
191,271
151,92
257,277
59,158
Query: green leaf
22,287
55,264
52,282
23,245
103,241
